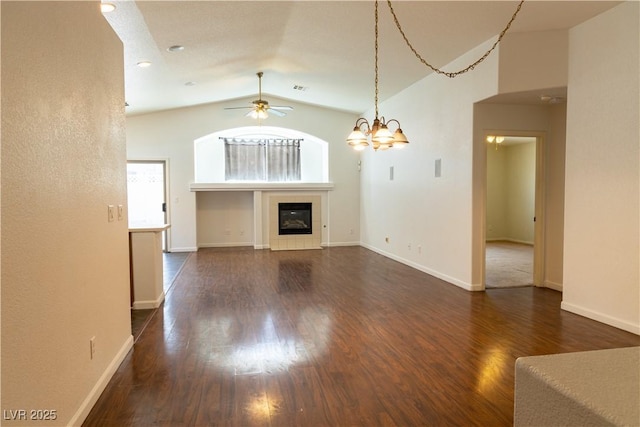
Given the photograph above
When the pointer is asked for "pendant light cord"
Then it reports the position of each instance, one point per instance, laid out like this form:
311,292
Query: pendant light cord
436,69
376,57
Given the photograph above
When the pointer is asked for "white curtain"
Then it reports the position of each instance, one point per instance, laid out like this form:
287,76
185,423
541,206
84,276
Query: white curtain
271,160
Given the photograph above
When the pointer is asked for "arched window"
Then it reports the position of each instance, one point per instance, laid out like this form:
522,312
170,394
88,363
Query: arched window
260,154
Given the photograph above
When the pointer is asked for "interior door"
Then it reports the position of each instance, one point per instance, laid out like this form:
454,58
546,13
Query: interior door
146,194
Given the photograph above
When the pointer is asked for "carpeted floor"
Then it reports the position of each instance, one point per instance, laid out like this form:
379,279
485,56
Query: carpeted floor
508,265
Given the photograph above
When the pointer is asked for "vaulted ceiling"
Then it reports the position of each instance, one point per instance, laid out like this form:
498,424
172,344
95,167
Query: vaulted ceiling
315,52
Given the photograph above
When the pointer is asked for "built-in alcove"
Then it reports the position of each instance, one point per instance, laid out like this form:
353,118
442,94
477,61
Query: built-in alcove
209,153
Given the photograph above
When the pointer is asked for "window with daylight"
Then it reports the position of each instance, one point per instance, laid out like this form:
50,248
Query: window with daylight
262,159
261,154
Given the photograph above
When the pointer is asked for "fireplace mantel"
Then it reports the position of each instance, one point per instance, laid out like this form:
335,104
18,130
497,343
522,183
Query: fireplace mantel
262,186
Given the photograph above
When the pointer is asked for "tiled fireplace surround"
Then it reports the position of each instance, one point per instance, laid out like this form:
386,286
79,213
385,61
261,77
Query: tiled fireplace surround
295,241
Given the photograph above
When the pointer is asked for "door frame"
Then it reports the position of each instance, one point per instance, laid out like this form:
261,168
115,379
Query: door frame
167,214
540,174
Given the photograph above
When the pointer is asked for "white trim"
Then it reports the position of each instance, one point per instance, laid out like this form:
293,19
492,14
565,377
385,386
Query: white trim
147,304
337,244
553,285
83,411
255,186
226,245
437,274
603,318
186,249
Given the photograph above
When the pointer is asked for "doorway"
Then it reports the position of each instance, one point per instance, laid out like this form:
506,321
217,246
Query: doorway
147,194
513,198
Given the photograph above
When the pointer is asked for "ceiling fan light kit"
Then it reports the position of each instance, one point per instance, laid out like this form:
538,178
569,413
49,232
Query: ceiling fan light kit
260,108
378,130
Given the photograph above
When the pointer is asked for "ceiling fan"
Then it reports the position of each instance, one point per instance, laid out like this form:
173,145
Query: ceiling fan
260,108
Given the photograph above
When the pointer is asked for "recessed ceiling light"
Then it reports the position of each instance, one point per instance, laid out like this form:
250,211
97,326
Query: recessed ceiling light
144,64
107,7
175,48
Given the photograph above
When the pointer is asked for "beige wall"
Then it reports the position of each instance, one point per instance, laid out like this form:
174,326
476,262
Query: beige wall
428,219
533,60
171,134
225,218
65,275
554,196
511,188
602,216
547,122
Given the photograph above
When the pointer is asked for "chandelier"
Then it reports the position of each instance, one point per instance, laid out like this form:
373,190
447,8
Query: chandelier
378,130
381,136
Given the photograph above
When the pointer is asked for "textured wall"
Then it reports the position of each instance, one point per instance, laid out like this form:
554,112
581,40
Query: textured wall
428,219
602,247
65,275
171,135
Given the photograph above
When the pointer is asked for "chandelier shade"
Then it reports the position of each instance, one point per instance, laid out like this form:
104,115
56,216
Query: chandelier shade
378,130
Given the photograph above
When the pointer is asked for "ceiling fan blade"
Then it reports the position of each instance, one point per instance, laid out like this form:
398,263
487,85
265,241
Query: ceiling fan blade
238,108
281,107
276,112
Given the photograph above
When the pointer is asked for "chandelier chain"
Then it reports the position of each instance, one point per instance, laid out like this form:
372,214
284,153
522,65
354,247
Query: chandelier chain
421,59
376,57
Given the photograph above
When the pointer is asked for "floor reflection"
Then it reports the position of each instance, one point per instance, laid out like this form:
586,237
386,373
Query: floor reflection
341,336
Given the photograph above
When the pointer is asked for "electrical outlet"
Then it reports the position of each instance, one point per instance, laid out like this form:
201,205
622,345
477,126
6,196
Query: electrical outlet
111,213
92,347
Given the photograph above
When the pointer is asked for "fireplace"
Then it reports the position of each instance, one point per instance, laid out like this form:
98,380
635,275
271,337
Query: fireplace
294,218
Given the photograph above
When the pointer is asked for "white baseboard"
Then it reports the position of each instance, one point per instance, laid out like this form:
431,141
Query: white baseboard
225,245
339,244
145,305
86,406
185,249
602,318
553,285
439,275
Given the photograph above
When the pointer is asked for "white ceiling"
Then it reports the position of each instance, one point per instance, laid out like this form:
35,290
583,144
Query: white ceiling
324,46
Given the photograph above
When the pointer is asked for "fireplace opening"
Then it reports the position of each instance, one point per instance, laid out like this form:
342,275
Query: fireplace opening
294,218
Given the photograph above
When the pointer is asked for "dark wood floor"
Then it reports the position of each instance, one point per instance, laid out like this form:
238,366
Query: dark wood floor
172,263
340,336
